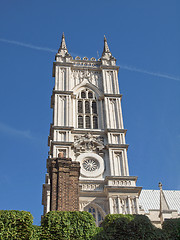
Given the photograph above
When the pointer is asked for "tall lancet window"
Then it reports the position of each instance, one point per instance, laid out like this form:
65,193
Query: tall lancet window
87,116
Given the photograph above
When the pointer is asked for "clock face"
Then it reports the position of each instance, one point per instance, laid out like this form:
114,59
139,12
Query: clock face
90,164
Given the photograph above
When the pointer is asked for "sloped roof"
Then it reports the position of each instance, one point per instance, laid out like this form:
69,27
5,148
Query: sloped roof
150,199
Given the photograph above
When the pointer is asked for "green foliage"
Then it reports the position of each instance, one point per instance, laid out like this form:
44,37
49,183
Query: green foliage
112,218
81,226
68,226
129,227
36,232
15,225
172,228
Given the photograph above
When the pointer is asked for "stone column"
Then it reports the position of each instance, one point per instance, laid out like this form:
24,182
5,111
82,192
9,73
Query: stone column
111,205
119,205
48,201
137,205
129,205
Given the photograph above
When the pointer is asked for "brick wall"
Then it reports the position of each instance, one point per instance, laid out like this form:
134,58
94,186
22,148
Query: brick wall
64,186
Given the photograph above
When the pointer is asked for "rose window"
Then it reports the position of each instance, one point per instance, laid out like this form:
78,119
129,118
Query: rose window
90,164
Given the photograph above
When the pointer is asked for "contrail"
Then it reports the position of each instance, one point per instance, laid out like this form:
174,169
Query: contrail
13,131
162,75
129,68
28,45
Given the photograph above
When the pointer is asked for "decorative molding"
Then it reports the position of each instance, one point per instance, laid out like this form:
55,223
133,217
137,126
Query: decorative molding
121,183
93,77
92,187
88,143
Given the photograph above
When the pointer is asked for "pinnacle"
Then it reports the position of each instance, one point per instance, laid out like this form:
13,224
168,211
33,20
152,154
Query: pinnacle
106,48
106,52
63,49
63,43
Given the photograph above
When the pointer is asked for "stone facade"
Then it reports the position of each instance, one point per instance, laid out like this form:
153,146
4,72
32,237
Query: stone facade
88,128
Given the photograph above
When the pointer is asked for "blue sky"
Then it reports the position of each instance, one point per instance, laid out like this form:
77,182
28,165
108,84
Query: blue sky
143,36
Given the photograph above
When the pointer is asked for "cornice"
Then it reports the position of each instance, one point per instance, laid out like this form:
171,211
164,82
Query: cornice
117,146
63,64
84,131
62,127
61,143
109,67
62,92
121,178
113,95
116,130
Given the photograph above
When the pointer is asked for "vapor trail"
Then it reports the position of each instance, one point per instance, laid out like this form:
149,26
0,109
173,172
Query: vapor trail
134,69
13,131
28,45
129,68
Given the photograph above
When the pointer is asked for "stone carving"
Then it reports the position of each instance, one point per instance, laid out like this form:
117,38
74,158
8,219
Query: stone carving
88,143
124,206
94,77
82,205
121,183
115,205
90,164
133,207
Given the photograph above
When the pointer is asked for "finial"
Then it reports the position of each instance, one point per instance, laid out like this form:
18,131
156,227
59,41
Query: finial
106,48
160,185
63,49
106,55
63,43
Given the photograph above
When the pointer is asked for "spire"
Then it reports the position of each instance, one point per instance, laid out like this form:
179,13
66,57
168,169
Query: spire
106,52
63,43
63,49
163,203
106,48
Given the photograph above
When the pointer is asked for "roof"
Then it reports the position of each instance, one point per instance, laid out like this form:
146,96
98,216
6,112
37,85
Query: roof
150,199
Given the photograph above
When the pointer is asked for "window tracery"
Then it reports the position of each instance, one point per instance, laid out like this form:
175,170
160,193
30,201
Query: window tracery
96,214
87,110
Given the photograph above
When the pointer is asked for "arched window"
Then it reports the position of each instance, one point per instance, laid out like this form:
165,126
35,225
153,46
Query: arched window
96,214
90,94
87,110
83,94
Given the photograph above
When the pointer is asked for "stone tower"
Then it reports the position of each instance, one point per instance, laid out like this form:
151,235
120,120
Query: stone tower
88,128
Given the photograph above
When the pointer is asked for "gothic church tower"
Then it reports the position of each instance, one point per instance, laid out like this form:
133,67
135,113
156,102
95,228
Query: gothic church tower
88,128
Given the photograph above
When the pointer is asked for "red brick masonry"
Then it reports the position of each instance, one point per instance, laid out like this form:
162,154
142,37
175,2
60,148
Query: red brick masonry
64,184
